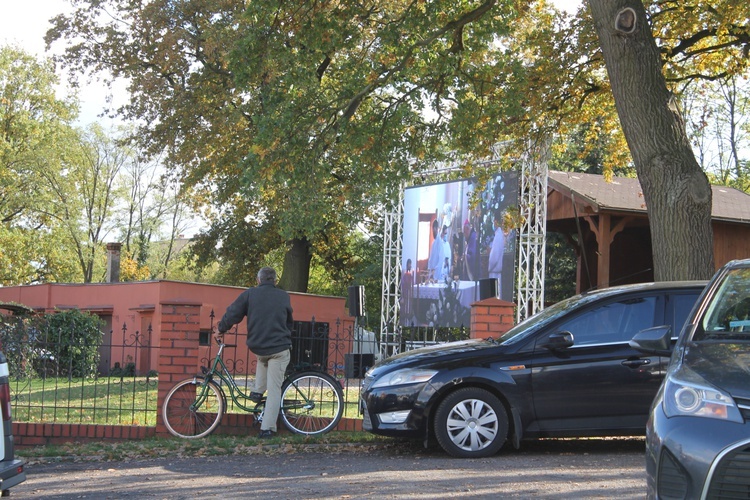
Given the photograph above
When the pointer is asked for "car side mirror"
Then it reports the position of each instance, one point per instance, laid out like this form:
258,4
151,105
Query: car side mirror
559,340
655,340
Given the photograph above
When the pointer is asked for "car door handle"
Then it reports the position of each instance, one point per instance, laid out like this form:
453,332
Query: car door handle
635,363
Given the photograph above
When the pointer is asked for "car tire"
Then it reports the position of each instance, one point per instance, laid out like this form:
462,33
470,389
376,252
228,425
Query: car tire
471,423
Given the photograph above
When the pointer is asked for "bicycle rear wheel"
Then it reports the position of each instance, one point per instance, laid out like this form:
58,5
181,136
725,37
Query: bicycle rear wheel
311,403
193,409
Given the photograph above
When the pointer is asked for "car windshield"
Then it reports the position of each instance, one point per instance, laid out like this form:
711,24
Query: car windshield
728,314
544,317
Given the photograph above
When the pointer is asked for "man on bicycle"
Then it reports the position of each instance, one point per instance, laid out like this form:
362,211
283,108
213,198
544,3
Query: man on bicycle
269,336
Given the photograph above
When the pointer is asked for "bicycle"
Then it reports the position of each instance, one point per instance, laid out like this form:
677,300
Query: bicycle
312,402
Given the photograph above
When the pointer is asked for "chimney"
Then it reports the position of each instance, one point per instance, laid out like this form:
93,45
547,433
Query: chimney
113,262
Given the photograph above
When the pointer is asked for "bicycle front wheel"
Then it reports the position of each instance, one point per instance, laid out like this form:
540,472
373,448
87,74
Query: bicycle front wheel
193,408
311,403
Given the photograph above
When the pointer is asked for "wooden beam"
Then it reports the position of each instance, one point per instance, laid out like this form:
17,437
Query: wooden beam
604,238
605,233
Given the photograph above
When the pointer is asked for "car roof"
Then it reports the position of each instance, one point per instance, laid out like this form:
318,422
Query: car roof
656,285
734,264
586,299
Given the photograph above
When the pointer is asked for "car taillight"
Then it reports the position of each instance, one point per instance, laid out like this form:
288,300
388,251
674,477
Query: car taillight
4,387
5,400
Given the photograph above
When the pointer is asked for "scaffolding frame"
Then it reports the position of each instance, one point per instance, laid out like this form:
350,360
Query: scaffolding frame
391,284
532,236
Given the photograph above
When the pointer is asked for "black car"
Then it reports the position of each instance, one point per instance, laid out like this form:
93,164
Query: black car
11,469
698,435
567,371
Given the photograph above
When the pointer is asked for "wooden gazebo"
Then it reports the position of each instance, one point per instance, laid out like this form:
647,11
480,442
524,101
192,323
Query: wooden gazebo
610,220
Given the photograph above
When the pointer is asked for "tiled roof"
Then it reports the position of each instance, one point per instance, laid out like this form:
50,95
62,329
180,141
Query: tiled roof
625,194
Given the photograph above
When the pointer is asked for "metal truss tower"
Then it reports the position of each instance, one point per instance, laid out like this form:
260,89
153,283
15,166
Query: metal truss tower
391,284
532,236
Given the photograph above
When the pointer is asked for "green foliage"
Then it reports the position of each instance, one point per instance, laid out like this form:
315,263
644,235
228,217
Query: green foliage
62,189
64,343
119,371
310,118
699,40
32,122
718,124
34,130
588,148
296,121
560,269
35,255
86,191
74,336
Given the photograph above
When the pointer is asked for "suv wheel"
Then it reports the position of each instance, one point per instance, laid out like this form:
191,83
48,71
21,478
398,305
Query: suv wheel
471,423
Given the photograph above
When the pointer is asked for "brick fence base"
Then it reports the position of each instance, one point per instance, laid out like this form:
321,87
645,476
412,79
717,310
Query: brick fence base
29,435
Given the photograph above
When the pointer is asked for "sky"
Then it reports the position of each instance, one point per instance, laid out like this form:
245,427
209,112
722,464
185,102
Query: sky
24,23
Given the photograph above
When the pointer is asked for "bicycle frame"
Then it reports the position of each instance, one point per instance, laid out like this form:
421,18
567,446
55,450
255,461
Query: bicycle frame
220,370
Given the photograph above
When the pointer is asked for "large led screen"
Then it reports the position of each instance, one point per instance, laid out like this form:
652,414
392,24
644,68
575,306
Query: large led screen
449,243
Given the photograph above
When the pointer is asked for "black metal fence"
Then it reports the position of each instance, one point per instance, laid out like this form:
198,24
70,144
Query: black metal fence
78,379
70,378
57,378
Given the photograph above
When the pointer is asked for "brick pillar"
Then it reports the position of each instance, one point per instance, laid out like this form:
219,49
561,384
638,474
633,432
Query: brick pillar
491,318
178,353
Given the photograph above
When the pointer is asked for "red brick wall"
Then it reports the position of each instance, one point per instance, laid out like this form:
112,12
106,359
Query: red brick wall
28,435
491,318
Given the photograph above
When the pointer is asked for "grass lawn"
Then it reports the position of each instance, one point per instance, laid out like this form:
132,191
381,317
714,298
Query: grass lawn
285,442
106,400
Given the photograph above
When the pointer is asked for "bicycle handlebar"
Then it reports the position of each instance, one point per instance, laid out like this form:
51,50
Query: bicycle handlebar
219,337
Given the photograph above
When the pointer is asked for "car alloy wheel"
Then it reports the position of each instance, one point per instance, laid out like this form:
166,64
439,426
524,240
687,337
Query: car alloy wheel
471,422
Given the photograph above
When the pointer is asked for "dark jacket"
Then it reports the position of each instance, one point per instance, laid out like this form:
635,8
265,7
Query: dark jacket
269,318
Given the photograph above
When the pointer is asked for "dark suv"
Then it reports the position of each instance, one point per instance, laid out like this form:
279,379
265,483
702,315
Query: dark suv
698,435
11,469
567,371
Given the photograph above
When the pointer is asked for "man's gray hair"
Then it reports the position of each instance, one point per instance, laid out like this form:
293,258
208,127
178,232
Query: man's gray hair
267,275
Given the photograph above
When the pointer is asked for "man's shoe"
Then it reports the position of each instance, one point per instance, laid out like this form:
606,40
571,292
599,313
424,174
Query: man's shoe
266,434
256,397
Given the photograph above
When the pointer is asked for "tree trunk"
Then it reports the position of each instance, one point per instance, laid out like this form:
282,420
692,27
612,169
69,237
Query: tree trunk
676,191
296,273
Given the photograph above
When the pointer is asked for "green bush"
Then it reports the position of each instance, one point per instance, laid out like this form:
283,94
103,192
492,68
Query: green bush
119,371
14,344
62,343
74,338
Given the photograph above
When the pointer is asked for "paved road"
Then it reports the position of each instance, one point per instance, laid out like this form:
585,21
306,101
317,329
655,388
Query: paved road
544,469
